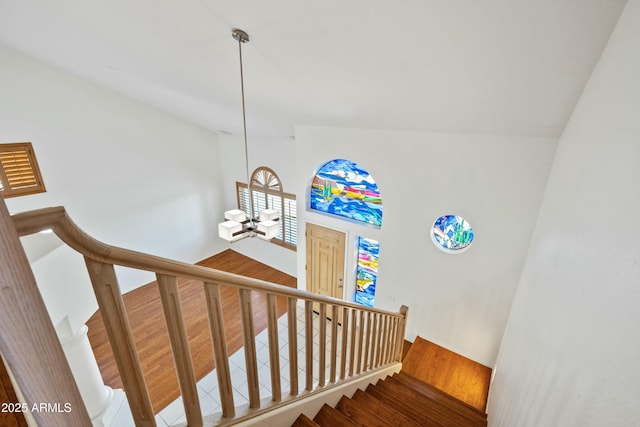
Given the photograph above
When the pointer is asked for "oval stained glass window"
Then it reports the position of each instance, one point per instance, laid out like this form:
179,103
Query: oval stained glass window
452,233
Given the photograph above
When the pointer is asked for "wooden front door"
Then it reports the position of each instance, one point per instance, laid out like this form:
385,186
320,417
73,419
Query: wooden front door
325,261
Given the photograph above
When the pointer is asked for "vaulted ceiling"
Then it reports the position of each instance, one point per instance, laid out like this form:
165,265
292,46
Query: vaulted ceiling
494,66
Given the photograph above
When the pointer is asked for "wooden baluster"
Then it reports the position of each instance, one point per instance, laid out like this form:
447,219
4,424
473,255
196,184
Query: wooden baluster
383,336
170,297
114,315
216,324
374,339
352,346
384,344
334,344
396,328
367,344
382,325
379,340
391,344
404,311
345,338
376,342
292,325
251,361
322,350
28,340
274,350
361,343
105,285
392,340
308,338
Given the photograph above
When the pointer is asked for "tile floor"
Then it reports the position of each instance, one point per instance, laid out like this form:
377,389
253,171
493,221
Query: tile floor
208,386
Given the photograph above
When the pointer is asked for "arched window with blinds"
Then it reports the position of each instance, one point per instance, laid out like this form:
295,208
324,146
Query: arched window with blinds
268,194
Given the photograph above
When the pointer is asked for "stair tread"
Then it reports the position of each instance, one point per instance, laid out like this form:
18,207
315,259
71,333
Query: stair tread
330,417
436,410
451,372
383,410
364,415
447,413
439,395
304,421
413,412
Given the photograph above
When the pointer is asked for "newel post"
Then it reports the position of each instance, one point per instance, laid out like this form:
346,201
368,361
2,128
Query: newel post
29,342
404,311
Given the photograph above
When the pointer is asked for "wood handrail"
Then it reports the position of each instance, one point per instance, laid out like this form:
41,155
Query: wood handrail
371,337
57,220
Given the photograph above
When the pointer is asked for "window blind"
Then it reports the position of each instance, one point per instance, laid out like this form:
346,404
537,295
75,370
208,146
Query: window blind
19,172
267,193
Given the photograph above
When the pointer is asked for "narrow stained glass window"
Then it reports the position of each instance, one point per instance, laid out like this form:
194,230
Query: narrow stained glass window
452,233
341,187
367,271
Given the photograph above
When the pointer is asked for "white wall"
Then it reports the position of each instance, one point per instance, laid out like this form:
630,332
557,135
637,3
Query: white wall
460,301
571,352
127,174
279,155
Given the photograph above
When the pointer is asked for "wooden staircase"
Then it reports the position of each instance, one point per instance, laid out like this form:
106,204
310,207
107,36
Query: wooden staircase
436,387
398,400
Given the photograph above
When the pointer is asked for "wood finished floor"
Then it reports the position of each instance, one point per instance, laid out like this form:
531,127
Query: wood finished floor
448,371
144,311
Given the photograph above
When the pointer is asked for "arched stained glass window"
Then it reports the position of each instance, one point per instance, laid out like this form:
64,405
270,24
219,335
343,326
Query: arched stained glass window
452,233
341,187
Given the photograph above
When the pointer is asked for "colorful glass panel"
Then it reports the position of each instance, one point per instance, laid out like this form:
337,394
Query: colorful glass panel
343,188
367,271
452,233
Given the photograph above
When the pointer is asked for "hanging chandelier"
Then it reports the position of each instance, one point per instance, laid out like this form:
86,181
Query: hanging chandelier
237,224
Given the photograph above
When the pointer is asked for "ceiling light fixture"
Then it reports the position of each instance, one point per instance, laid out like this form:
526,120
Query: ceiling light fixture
237,225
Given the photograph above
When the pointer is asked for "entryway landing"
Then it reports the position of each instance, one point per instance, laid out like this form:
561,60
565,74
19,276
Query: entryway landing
450,372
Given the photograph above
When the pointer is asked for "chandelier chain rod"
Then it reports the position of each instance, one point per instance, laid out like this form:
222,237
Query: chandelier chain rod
244,130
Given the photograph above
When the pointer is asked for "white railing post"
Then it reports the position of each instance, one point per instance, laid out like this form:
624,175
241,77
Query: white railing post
96,395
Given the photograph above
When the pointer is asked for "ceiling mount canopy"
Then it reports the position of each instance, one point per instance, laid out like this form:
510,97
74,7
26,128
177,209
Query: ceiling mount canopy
238,224
240,36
